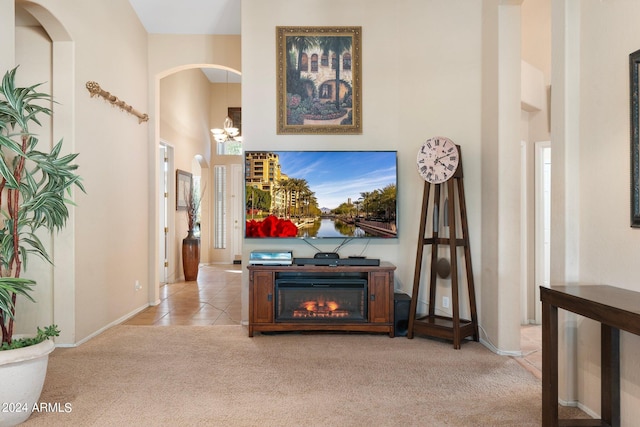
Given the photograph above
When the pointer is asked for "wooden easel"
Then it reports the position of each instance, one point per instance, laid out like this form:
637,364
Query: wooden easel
450,328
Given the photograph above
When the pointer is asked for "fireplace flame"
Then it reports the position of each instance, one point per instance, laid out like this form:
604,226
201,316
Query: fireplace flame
309,305
320,305
320,308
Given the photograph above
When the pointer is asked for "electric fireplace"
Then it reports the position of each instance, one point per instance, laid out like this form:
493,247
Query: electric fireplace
353,298
320,299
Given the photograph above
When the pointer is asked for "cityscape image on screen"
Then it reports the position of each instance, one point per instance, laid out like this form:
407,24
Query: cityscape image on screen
321,194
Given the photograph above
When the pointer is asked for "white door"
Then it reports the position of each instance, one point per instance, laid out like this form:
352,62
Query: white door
163,189
237,211
166,191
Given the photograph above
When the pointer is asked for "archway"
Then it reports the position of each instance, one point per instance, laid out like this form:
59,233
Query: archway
195,160
56,304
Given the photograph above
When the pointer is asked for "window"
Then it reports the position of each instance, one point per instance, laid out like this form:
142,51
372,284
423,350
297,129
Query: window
314,63
346,61
229,148
220,197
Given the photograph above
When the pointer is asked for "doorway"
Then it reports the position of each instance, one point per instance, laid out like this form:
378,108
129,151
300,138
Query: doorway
228,214
237,186
165,183
542,176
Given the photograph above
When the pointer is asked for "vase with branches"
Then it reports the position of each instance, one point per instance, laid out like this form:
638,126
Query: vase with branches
191,243
192,203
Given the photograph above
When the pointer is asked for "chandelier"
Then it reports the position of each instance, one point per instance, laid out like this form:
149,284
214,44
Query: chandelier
228,133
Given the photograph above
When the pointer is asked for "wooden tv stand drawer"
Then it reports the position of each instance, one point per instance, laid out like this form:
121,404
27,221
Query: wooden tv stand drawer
262,298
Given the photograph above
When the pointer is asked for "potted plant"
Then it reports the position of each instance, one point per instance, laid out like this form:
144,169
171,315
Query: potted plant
34,189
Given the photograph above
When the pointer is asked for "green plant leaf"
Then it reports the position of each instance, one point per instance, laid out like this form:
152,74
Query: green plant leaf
10,286
43,179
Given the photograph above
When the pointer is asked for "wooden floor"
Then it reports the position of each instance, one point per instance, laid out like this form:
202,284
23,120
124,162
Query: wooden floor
214,299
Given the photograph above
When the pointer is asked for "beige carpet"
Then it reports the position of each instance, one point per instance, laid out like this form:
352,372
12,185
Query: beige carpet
210,376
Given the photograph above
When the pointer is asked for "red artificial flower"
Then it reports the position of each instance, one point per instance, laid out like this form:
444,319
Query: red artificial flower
271,226
287,229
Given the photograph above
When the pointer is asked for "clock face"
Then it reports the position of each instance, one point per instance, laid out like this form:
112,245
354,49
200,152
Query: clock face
438,159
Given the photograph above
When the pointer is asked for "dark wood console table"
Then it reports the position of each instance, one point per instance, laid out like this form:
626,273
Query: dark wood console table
616,309
380,307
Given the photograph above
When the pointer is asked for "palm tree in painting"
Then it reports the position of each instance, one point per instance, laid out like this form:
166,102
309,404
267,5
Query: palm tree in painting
296,47
338,45
299,45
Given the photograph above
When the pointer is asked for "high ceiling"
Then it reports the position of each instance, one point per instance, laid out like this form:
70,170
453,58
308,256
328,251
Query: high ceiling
189,16
192,17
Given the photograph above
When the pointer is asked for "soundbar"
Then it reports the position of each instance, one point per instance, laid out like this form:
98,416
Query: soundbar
335,262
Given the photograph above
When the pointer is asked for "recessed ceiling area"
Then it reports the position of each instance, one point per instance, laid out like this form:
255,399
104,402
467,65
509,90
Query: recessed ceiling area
189,16
217,75
218,17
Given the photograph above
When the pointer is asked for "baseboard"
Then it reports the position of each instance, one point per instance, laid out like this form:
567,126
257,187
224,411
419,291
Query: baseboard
101,330
499,352
576,404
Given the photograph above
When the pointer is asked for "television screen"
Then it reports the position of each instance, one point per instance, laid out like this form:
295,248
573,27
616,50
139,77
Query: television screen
321,194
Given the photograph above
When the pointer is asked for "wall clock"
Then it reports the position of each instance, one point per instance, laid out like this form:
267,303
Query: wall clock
438,159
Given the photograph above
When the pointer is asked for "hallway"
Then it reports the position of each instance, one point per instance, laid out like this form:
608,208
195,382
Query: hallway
213,300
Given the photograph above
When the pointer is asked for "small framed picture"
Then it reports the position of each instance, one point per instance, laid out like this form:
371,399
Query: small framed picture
183,188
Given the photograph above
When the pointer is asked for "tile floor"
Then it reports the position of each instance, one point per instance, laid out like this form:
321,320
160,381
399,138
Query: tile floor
214,299
531,346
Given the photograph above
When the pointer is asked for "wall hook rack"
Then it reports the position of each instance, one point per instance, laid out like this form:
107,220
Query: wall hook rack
95,89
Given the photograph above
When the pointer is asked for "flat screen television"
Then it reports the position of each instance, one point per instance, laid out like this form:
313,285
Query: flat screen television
321,194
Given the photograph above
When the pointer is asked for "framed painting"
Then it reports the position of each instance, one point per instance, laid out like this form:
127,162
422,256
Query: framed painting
319,80
634,67
183,189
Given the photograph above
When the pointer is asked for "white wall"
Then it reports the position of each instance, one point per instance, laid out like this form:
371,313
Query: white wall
418,81
607,248
106,247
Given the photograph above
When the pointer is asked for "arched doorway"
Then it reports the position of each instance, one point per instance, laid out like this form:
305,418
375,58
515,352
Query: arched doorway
194,151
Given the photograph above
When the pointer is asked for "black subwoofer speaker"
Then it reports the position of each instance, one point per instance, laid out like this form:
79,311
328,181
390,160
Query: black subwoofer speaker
402,303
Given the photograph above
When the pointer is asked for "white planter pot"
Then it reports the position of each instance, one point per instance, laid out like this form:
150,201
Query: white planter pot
22,374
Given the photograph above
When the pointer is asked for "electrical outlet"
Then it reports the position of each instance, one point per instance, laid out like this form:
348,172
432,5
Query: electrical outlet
445,302
137,286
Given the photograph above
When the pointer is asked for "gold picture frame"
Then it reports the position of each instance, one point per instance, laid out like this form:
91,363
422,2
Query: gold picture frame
309,70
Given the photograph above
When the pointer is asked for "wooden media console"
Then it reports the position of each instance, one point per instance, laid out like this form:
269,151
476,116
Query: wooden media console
321,298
